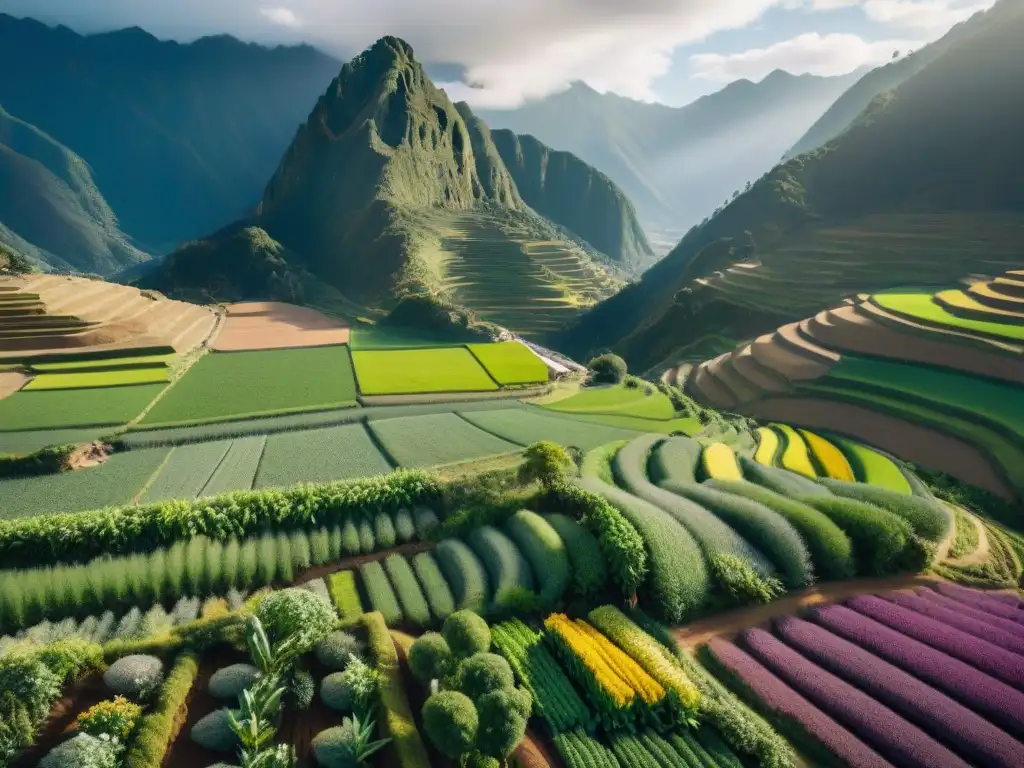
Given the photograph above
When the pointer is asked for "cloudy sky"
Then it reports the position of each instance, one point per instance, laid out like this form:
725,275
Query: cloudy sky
660,50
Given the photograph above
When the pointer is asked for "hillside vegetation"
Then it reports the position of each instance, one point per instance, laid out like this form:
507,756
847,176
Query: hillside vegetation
920,190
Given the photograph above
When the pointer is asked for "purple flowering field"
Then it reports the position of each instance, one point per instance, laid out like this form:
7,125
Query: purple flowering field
901,678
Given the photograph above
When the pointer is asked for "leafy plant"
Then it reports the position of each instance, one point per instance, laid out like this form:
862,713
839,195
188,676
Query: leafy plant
547,463
607,369
116,718
348,745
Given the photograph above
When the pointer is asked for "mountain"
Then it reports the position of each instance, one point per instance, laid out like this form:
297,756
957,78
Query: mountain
678,164
387,189
848,107
180,138
922,189
50,208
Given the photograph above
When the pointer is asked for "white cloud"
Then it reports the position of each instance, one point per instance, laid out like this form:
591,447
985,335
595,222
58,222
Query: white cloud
835,54
284,17
924,14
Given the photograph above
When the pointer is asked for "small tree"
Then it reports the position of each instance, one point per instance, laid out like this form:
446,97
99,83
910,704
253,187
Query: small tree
430,658
607,369
547,463
450,721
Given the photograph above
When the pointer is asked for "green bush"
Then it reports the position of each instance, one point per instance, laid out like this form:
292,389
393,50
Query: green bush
450,721
430,658
502,716
546,463
336,692
410,596
160,726
757,523
350,544
48,539
115,718
302,688
426,522
214,732
296,612
435,588
739,583
405,529
675,459
345,593
382,596
136,677
621,543
589,573
482,673
83,751
830,548
544,550
607,369
367,542
466,634
72,658
677,580
464,573
230,681
928,518
335,649
879,537
320,547
384,531
505,564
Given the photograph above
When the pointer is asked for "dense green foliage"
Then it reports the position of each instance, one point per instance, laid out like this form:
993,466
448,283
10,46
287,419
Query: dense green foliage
607,369
414,605
296,614
587,566
466,634
161,724
929,518
547,463
464,573
381,594
430,658
435,589
546,552
779,480
507,569
675,459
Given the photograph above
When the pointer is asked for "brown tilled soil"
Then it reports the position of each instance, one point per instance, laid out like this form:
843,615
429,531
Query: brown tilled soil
772,353
60,725
274,325
873,310
298,727
11,382
913,442
533,752
730,622
89,455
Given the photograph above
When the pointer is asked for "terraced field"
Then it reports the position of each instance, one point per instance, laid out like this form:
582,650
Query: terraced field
949,365
530,286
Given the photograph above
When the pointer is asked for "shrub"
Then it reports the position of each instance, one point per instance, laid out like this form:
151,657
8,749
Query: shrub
302,687
546,463
136,677
607,369
505,564
350,544
335,650
116,718
430,658
830,548
336,692
229,682
450,721
930,519
545,551
740,583
466,634
320,546
426,522
410,596
405,529
295,612
435,588
464,573
84,751
214,732
382,596
159,727
342,586
589,574
384,531
367,542
677,458
502,716
482,673
72,658
364,681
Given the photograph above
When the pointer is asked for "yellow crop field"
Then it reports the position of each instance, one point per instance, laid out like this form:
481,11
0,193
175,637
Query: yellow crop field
829,457
795,456
720,463
767,446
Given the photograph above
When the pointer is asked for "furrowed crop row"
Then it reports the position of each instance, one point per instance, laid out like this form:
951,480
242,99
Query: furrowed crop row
974,622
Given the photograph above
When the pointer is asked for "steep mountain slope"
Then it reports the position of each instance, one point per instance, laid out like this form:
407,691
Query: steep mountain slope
923,189
180,138
677,165
851,104
50,208
386,190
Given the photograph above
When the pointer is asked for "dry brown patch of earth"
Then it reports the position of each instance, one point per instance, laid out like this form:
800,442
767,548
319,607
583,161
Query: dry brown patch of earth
275,325
11,382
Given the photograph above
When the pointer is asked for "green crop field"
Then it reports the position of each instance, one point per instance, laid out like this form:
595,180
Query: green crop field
112,483
919,306
186,471
144,361
424,441
618,401
526,426
319,456
510,362
30,441
685,424
88,379
75,407
237,471
415,371
238,384
1000,404
872,467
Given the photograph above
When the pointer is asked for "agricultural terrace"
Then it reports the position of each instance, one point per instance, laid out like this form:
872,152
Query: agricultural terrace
636,406
67,408
419,371
274,325
89,379
510,362
223,386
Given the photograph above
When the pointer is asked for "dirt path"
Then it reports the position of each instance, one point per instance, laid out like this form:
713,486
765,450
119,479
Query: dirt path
980,554
320,571
534,752
731,622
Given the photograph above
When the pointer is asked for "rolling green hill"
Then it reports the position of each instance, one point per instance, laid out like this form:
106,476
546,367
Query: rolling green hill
50,208
921,190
